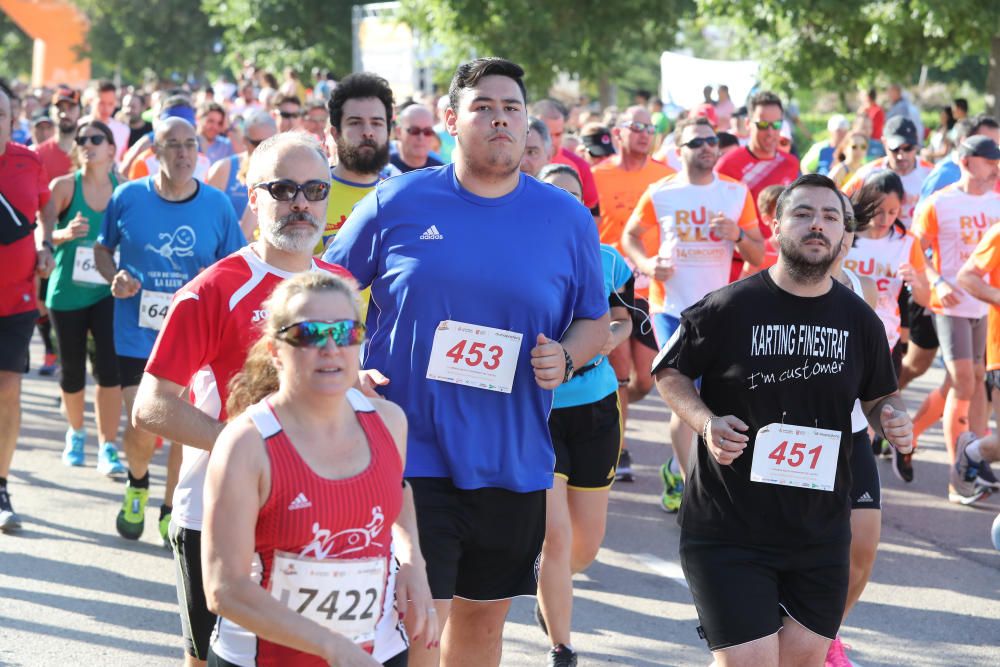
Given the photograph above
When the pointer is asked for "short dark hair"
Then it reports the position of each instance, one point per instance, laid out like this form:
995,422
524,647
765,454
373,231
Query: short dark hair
468,75
99,126
557,169
644,94
106,87
208,107
808,181
690,122
764,98
356,86
983,120
288,99
962,103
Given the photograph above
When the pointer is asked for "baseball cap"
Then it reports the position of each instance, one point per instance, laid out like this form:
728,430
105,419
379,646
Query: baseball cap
707,110
837,122
65,94
598,143
900,131
979,146
40,119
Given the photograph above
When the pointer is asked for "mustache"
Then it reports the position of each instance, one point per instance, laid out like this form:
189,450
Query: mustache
297,216
816,236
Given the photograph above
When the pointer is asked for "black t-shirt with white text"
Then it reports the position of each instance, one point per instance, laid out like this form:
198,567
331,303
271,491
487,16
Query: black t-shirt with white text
768,356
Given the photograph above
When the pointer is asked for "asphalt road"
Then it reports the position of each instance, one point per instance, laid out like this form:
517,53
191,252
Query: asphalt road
74,593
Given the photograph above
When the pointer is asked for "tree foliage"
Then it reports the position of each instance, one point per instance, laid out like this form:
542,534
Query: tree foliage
594,39
15,49
277,33
837,44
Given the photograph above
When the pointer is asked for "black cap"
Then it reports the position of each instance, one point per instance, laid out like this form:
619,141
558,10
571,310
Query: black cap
40,118
900,131
979,146
599,143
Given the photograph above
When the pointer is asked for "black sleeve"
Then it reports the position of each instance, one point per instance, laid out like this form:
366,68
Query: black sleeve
624,298
879,378
904,308
689,350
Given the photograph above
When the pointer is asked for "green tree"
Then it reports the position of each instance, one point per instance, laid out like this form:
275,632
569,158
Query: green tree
277,33
838,44
15,49
172,37
594,39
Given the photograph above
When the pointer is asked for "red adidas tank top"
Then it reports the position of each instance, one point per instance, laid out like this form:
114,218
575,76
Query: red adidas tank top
318,518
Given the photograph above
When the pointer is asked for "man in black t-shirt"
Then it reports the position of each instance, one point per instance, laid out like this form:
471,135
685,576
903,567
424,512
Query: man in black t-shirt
782,356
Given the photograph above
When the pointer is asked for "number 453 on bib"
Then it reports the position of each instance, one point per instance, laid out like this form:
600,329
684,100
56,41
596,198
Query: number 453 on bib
474,356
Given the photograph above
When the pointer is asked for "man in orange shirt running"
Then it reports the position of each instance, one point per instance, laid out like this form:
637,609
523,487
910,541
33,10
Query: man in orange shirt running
951,223
621,180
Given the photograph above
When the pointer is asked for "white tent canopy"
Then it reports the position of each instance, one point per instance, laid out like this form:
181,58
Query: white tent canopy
684,77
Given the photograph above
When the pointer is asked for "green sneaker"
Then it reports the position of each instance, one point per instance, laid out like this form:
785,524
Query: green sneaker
132,515
165,527
673,489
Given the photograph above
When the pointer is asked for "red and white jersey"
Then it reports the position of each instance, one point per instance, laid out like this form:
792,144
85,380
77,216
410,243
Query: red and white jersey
880,259
212,323
313,517
913,182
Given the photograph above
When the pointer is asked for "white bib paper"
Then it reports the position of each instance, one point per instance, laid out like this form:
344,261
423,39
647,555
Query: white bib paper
84,268
153,307
800,456
345,596
474,356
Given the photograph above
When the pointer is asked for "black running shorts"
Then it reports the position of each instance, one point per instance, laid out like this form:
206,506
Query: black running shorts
197,622
743,592
479,544
922,331
642,324
587,439
130,370
15,339
866,488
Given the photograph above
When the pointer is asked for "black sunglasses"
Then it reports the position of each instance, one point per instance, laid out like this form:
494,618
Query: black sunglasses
96,139
290,114
286,190
701,141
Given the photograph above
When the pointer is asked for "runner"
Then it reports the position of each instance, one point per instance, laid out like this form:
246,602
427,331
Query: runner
25,250
481,508
79,299
226,301
586,429
135,105
621,180
785,350
767,203
951,223
822,155
322,502
699,219
947,171
315,119
167,228
229,175
415,134
537,147
555,114
287,113
55,153
850,157
147,162
211,124
104,103
760,163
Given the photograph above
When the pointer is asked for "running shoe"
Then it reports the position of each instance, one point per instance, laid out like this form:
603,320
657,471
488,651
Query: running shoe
73,453
986,477
623,472
9,520
968,497
107,461
49,366
562,656
132,515
962,487
165,515
836,655
540,618
902,465
673,488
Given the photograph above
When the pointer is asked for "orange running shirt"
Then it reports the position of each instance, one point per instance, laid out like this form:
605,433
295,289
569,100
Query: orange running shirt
953,223
986,257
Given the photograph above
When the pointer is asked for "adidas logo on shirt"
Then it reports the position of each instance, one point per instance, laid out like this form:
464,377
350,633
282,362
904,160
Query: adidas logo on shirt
300,502
432,234
865,498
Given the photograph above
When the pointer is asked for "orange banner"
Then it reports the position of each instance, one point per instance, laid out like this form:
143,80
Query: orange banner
59,30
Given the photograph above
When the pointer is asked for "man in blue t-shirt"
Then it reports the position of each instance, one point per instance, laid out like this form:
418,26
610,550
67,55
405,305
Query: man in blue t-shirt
167,228
486,293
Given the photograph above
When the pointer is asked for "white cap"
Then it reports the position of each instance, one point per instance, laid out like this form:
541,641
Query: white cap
838,122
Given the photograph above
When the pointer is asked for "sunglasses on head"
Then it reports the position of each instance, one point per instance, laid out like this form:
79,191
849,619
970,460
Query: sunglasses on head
635,126
317,333
96,139
416,131
701,141
764,124
286,190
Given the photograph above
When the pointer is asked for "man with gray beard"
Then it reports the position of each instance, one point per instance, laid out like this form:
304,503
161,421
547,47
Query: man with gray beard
204,341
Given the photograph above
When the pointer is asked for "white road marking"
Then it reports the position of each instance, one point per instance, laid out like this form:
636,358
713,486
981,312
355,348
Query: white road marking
664,568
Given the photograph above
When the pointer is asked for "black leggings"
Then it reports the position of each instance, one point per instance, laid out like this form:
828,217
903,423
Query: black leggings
71,332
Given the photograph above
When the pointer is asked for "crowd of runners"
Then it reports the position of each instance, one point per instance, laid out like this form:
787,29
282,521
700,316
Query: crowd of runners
385,419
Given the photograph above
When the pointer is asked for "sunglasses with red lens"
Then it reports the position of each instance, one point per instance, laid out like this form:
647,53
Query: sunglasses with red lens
317,333
416,131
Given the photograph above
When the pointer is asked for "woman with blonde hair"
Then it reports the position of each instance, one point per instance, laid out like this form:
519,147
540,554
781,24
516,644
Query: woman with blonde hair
849,156
305,502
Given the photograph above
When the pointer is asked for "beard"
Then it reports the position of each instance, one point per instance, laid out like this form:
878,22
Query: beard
297,241
805,268
492,163
359,162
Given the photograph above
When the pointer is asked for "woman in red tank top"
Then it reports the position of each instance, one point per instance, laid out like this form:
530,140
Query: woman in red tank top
305,503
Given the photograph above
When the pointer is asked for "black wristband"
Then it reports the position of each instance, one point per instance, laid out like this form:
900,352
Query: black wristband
568,375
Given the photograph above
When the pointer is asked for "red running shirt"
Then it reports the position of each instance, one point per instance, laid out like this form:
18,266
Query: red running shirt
314,517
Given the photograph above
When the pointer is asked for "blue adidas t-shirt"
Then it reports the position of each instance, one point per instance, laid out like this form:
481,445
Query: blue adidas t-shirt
163,245
431,250
599,382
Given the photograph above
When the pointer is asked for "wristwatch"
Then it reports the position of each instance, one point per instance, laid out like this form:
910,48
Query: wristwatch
48,245
569,367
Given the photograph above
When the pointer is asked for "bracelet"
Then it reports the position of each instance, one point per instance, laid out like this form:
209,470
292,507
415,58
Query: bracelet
706,429
938,281
742,234
569,367
48,246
